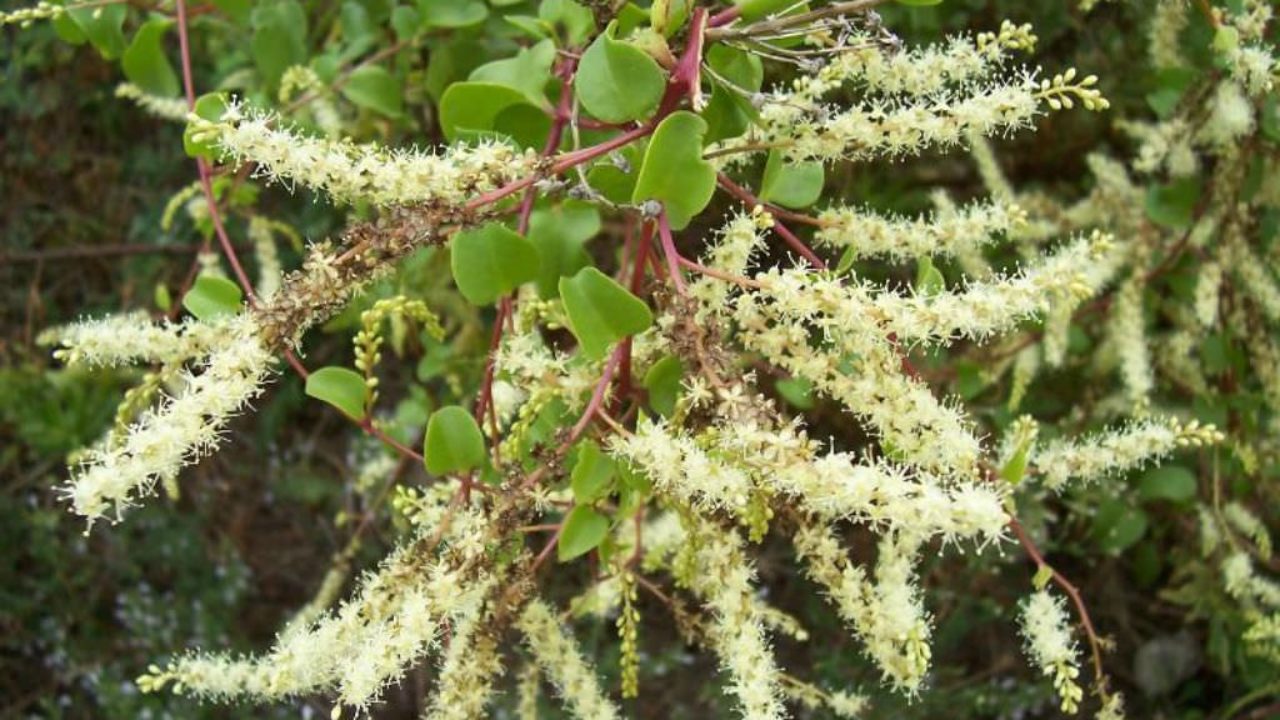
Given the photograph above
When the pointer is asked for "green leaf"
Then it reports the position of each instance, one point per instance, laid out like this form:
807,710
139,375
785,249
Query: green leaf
279,39
1041,579
572,21
791,184
145,63
452,13
210,106
1117,526
470,109
798,392
67,30
1016,467
633,488
1170,482
618,82
529,25
490,262
668,16
584,529
756,9
592,473
601,312
212,296
238,10
663,383
405,21
375,88
1173,205
612,181
929,279
528,72
1171,85
341,387
357,29
559,234
919,3
729,112
103,26
674,172
1270,119
453,443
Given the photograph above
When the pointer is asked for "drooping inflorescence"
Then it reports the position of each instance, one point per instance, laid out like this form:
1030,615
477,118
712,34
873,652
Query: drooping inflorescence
702,429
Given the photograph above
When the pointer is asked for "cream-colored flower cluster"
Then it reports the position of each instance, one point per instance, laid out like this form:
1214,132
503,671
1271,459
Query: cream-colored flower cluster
990,307
860,367
24,17
563,664
131,338
1052,647
679,468
867,234
1127,448
167,108
888,613
184,427
931,113
261,233
921,71
470,666
355,651
724,582
350,172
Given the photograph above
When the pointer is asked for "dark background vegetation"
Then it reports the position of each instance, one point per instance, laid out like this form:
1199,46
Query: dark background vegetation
83,179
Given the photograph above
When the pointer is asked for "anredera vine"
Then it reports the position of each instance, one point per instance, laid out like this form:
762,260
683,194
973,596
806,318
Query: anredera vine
648,397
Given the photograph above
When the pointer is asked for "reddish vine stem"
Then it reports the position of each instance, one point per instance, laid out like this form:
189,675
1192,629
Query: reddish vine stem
206,184
546,549
638,262
751,201
563,114
724,17
597,397
670,253
1095,644
719,275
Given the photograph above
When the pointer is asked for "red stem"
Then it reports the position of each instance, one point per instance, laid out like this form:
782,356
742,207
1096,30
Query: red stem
188,86
1095,645
782,230
724,17
597,397
670,253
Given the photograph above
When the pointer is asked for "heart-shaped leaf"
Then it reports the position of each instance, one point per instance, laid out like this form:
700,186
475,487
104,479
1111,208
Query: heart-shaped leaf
663,383
601,312
617,82
559,233
469,110
791,184
279,38
145,63
452,13
584,529
103,26
528,72
375,88
453,443
490,262
341,387
592,473
1171,482
212,296
674,172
